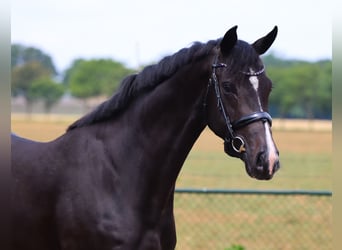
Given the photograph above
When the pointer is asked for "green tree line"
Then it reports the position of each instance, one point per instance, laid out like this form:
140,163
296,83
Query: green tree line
300,89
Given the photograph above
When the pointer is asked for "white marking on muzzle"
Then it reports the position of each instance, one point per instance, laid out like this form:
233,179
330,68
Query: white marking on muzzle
271,149
272,152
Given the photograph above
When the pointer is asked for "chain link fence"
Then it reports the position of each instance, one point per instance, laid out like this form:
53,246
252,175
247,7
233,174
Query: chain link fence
253,220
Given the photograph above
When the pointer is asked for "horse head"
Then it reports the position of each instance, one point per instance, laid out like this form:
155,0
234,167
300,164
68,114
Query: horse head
237,103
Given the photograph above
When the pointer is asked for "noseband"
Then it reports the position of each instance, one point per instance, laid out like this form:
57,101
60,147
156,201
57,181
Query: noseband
236,142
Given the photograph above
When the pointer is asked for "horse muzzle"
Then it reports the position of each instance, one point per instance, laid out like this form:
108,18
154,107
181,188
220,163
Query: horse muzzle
265,166
262,167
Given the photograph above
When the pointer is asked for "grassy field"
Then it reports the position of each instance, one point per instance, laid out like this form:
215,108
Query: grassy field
255,222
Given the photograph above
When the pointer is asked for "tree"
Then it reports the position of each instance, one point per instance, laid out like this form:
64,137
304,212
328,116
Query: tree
301,89
91,78
323,102
22,78
21,54
68,72
46,90
28,65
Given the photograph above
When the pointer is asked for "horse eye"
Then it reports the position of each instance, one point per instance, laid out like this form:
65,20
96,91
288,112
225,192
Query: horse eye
229,87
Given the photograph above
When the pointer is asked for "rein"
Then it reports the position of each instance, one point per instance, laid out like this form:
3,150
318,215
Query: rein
236,142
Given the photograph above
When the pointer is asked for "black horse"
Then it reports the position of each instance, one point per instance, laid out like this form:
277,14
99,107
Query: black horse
108,182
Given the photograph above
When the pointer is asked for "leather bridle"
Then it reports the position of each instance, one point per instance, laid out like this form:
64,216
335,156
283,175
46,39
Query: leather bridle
232,141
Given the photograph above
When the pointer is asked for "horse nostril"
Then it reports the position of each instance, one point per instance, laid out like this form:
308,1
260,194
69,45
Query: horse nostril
261,159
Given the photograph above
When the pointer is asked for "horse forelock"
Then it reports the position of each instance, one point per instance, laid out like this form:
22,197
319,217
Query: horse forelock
244,57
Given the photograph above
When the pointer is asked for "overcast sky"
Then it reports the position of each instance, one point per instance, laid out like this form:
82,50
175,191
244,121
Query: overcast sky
139,32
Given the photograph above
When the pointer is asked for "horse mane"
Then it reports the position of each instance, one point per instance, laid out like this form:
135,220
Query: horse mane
151,76
136,84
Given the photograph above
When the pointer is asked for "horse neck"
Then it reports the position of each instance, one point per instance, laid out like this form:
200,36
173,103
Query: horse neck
163,125
172,116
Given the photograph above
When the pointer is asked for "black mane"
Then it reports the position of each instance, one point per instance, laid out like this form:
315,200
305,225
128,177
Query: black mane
147,79
151,76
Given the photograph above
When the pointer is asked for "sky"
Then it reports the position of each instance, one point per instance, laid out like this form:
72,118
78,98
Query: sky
142,32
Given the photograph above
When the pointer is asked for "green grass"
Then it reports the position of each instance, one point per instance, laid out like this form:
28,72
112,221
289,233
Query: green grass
256,222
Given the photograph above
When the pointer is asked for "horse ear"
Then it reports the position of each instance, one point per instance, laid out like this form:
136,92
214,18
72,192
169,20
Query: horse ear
264,43
229,40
